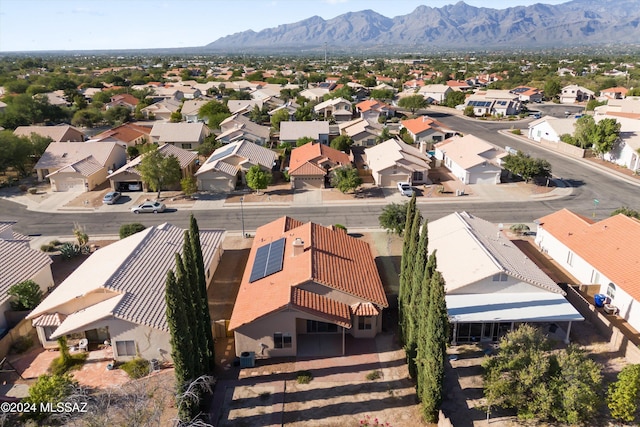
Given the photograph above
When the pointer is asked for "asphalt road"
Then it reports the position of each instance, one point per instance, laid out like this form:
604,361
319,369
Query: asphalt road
589,184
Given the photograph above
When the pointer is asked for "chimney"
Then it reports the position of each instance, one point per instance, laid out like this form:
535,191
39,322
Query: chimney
298,246
423,147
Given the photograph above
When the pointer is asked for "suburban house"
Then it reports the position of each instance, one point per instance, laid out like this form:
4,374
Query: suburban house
550,128
118,294
372,109
310,165
613,93
574,93
490,285
128,176
528,94
79,166
626,150
292,131
191,109
59,133
127,135
337,108
427,130
238,127
291,108
188,136
435,93
393,161
627,107
299,294
228,164
243,106
603,253
315,93
19,263
123,100
472,160
494,102
362,132
162,110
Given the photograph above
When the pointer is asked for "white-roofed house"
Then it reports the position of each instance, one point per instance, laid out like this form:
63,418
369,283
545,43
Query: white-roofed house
191,108
626,150
237,127
292,131
362,132
315,93
221,171
573,93
118,294
491,286
188,136
472,160
394,161
19,263
59,133
550,128
162,110
243,106
129,174
79,166
435,93
337,108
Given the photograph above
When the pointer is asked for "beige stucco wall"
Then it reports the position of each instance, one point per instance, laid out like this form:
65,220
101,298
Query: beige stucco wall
307,181
258,335
150,343
216,182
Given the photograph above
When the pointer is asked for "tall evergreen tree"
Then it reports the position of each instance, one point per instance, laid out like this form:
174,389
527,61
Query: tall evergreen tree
203,310
180,345
406,256
437,333
408,271
189,330
412,314
199,344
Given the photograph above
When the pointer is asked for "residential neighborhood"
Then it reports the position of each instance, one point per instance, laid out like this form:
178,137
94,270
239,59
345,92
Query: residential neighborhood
332,201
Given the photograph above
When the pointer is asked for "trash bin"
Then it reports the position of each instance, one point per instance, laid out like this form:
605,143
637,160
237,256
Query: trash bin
599,300
155,365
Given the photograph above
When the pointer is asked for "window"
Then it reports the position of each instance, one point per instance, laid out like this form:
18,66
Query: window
418,176
570,258
315,326
281,340
126,348
611,291
186,146
500,277
48,330
365,322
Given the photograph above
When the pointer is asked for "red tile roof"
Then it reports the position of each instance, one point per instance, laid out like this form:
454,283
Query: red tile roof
329,258
364,309
126,132
611,246
314,152
308,168
321,306
421,124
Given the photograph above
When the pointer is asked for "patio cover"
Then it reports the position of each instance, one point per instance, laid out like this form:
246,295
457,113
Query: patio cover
77,321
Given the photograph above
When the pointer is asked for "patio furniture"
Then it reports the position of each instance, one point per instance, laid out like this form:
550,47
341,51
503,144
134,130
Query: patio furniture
83,345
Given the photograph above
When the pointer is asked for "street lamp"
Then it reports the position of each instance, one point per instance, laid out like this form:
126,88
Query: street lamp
242,215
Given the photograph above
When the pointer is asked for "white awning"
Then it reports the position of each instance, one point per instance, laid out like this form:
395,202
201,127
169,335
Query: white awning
510,307
77,321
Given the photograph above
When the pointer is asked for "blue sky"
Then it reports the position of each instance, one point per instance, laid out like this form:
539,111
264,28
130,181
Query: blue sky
27,25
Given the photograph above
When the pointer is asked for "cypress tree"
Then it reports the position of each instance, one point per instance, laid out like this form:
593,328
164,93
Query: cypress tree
411,210
189,330
435,350
423,313
408,272
193,293
412,314
196,249
180,346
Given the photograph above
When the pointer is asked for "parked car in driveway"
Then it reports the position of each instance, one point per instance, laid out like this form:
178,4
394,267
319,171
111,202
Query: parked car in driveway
111,197
405,189
151,206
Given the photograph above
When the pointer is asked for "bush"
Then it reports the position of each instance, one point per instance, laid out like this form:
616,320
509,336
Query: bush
55,243
23,188
127,230
340,227
304,377
374,375
519,229
47,248
66,362
516,131
70,250
33,190
136,368
50,389
26,295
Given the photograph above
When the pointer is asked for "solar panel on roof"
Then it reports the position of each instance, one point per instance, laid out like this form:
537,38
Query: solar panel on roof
221,154
268,260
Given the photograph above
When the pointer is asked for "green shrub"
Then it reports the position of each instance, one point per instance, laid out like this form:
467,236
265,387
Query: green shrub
374,375
127,230
33,190
66,361
55,242
136,368
23,188
26,295
50,389
304,377
516,131
47,248
70,250
340,227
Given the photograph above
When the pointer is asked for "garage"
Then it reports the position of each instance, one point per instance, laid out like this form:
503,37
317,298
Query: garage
68,184
313,182
123,186
393,180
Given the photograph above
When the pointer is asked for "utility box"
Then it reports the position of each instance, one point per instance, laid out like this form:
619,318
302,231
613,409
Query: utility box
247,359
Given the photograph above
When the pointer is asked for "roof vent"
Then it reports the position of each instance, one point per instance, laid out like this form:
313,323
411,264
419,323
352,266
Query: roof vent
298,246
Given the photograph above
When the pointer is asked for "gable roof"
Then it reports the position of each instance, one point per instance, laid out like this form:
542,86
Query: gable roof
126,132
60,154
184,157
292,131
421,124
19,263
611,245
315,152
178,132
85,167
7,233
57,133
469,150
329,258
132,269
247,151
559,126
392,153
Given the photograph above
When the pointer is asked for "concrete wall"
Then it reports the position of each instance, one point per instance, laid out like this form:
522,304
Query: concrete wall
617,340
22,329
562,147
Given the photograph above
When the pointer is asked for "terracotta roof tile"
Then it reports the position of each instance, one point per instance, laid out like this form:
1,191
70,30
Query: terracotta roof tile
364,309
314,152
308,168
332,310
611,246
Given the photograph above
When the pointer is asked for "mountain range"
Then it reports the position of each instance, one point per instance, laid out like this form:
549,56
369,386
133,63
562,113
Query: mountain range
457,26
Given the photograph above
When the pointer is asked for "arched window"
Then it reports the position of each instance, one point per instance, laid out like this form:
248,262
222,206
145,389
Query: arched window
611,290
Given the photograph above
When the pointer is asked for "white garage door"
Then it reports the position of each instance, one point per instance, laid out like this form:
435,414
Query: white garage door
70,185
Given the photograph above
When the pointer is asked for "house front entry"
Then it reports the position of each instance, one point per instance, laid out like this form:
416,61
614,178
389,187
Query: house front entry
319,339
98,335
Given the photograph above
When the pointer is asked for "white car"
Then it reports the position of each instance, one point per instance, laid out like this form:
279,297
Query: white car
405,189
154,207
